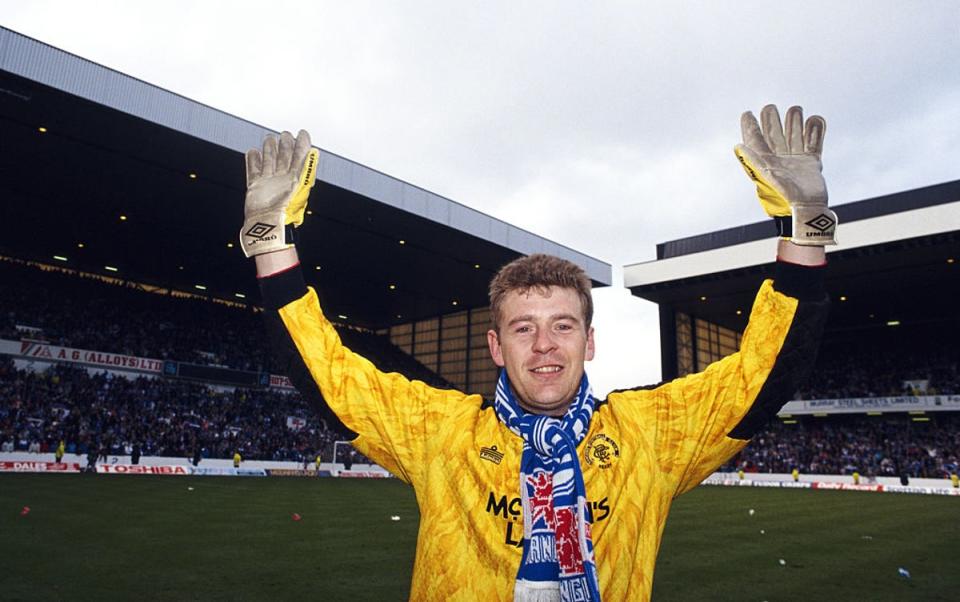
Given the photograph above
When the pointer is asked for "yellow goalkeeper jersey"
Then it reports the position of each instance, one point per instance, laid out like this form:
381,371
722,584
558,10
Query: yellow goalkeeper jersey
644,446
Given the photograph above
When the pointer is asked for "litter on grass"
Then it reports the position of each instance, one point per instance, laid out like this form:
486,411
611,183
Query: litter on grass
394,518
783,562
903,573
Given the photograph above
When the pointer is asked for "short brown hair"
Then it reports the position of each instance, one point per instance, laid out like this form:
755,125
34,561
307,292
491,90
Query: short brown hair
539,271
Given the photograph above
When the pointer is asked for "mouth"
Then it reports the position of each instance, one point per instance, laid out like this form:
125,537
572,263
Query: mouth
547,370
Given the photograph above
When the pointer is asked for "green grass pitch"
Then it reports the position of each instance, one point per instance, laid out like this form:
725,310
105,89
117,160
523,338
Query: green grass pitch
152,538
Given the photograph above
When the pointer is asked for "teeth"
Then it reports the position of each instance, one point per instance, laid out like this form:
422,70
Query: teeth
546,369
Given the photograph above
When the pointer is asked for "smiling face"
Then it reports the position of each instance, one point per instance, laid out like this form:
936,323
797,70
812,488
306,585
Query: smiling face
543,341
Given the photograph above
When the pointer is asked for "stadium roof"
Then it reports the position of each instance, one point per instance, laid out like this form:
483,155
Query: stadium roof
898,261
83,145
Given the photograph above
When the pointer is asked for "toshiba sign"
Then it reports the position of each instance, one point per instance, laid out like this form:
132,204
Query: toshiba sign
139,469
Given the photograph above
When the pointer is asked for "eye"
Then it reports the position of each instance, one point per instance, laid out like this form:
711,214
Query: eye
522,329
564,326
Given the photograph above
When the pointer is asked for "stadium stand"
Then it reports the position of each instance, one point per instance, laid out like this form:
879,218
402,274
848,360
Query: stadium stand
110,415
870,445
52,305
904,361
167,417
882,399
118,317
164,417
170,418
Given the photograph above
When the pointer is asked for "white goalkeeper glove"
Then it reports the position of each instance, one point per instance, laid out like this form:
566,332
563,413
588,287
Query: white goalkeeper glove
787,170
278,184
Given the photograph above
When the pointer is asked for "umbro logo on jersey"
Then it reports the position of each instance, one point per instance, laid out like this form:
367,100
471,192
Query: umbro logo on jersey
491,454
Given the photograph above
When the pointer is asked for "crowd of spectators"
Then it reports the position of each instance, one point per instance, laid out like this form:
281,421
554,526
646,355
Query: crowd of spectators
164,417
886,362
88,313
167,417
907,362
869,445
158,416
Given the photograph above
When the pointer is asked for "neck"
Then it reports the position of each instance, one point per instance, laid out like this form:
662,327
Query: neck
556,412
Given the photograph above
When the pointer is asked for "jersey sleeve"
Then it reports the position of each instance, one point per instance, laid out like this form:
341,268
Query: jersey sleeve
392,417
701,420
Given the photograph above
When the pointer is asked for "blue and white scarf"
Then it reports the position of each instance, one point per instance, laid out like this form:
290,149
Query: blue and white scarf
557,563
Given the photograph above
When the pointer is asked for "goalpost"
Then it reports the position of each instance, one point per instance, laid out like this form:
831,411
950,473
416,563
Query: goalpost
342,448
336,447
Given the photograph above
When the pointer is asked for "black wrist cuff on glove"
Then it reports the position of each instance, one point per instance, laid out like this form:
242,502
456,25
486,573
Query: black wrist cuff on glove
283,288
784,224
799,281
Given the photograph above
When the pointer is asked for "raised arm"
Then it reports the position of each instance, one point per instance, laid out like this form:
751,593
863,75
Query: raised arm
705,418
389,418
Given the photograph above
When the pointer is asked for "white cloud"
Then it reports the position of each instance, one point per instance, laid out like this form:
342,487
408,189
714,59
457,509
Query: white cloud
617,203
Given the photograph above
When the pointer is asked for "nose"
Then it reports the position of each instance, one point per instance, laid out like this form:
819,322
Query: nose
544,342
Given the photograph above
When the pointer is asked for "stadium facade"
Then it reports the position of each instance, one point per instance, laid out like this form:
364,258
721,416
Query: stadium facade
897,264
883,401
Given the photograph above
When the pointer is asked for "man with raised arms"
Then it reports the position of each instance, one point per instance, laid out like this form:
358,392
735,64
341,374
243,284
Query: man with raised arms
549,493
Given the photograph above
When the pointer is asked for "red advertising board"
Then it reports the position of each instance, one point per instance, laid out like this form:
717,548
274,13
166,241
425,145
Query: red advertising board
846,486
280,382
39,467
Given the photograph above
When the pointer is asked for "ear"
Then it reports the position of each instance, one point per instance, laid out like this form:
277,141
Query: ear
591,346
493,342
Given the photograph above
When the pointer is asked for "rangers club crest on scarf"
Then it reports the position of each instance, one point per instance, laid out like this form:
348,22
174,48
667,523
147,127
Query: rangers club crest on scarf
557,561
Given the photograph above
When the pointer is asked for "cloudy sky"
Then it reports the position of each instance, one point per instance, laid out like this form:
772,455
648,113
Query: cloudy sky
604,126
